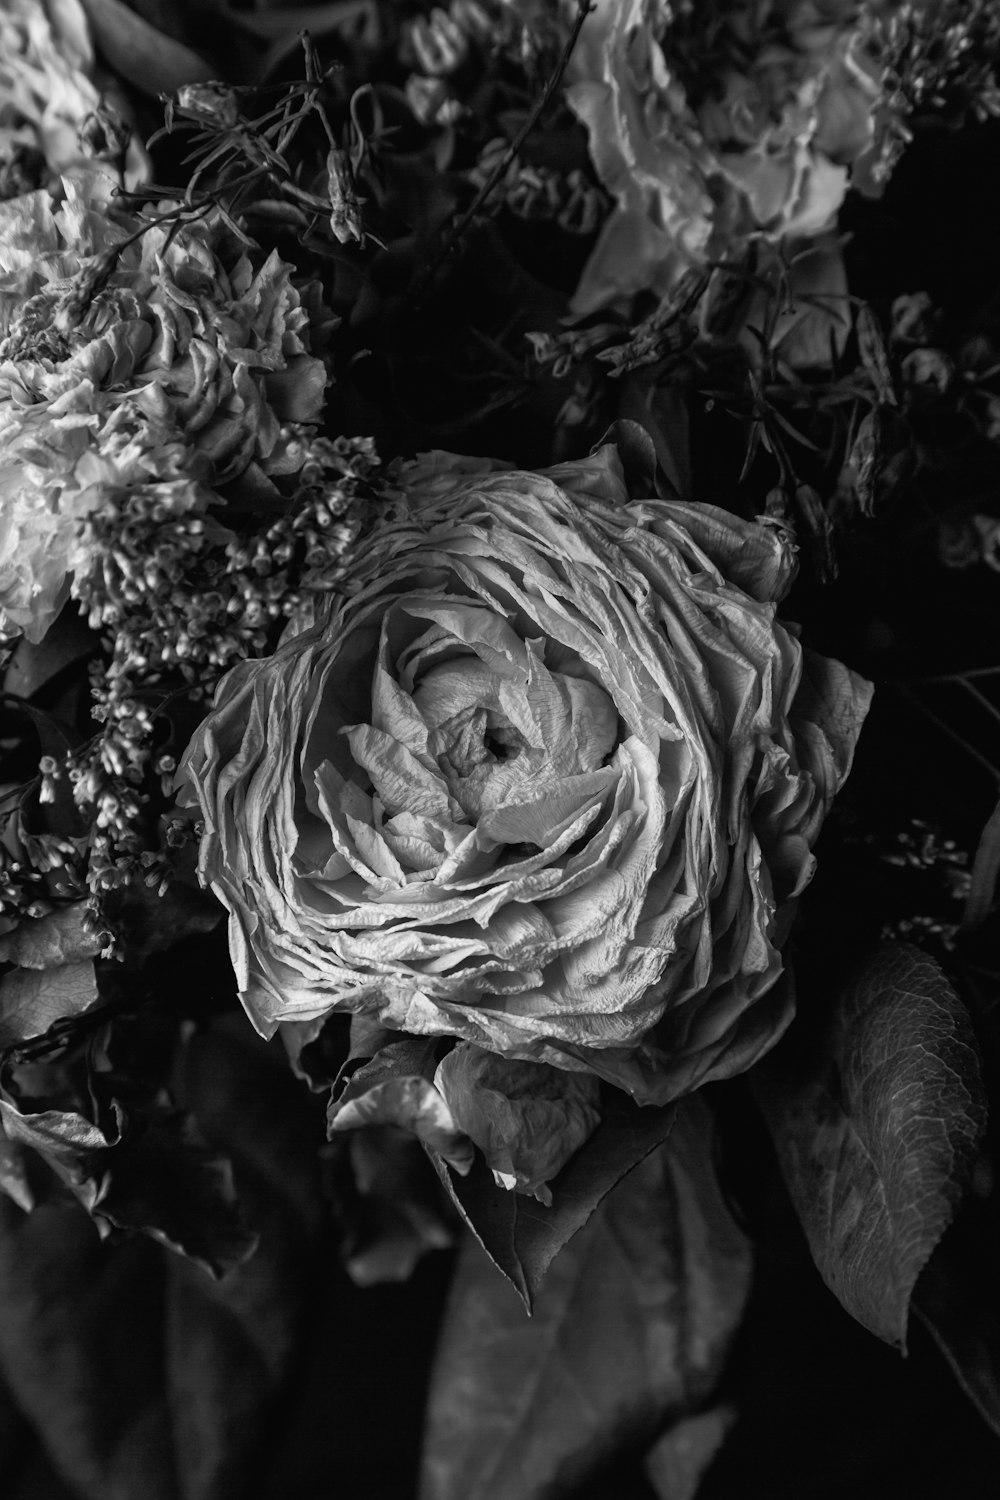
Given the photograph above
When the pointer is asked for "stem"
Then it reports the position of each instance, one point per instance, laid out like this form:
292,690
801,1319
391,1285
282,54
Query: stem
946,728
584,8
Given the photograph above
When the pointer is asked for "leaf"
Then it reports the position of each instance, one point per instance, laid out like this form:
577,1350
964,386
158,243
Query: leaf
677,1462
871,347
61,937
146,1379
876,1137
32,1000
520,1235
169,1185
81,1347
630,1330
230,1343
153,63
36,665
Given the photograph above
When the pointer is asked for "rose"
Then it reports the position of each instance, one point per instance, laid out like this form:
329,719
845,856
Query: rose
173,358
546,781
765,151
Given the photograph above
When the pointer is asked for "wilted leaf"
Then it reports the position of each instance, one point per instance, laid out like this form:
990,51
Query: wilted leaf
876,1136
230,1343
522,1236
142,55
81,1348
61,937
871,347
169,1185
677,1461
629,1331
146,1379
32,1000
13,1173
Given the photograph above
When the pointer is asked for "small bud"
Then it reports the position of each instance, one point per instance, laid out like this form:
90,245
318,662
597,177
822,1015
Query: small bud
930,367
214,103
103,134
440,44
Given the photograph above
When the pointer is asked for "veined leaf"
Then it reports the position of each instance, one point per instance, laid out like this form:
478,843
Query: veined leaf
876,1137
521,1236
629,1331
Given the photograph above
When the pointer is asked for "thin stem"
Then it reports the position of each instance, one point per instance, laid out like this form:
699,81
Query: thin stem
946,728
584,8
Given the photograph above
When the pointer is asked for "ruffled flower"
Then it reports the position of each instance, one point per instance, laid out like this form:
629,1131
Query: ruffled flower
179,339
767,151
52,112
547,781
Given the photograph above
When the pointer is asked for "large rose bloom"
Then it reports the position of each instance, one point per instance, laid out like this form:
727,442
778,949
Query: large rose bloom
768,152
547,781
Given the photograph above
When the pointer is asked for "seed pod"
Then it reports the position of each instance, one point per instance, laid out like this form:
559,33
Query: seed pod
871,347
345,210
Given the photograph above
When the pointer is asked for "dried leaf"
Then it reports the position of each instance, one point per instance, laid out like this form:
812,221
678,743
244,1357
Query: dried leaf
169,1185
59,938
630,1329
81,1348
520,1235
871,347
876,1137
32,1000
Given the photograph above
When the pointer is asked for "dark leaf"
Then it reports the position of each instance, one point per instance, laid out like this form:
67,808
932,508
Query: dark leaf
629,1331
229,1343
142,55
522,1236
37,664
154,922
676,1462
61,937
32,1000
167,1184
146,1379
876,1134
956,1299
81,1347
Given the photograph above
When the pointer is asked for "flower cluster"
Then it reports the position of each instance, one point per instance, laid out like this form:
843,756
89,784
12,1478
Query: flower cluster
711,125
136,352
53,117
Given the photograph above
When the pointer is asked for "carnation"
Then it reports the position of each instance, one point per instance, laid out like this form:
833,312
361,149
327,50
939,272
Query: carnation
546,781
50,102
128,338
765,151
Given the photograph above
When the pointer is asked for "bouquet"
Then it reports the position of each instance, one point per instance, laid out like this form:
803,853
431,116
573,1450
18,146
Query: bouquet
498,855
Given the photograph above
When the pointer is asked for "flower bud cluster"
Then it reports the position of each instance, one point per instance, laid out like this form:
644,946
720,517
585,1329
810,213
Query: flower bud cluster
179,596
543,194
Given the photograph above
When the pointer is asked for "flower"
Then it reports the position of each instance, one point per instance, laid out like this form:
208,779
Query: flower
50,103
170,331
761,147
546,780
